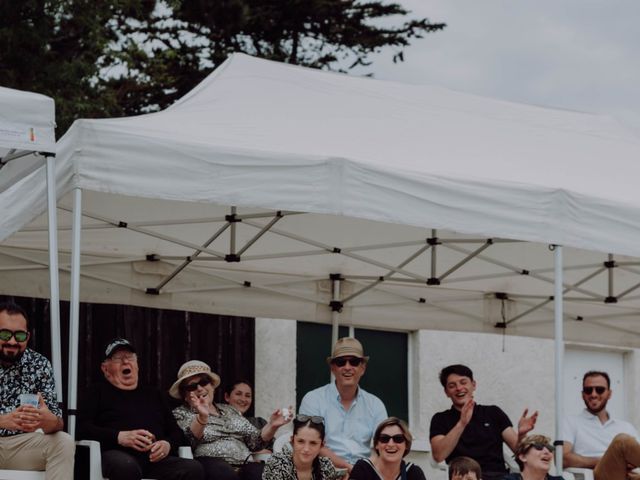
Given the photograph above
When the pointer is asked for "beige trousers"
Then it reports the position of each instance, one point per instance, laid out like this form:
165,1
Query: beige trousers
623,449
53,453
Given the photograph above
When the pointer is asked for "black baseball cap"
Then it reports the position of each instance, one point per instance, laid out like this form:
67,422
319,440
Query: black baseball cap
118,344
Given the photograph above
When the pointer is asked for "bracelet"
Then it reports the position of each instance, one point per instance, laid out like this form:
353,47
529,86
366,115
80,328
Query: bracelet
198,420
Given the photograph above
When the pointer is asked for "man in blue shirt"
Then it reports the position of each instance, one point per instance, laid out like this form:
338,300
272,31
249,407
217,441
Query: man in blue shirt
350,414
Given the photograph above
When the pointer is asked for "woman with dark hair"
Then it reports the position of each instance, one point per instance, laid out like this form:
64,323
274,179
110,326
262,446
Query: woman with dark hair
303,462
534,456
221,438
391,442
239,394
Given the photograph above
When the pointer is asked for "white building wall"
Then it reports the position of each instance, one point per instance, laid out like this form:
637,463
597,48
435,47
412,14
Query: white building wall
512,372
275,368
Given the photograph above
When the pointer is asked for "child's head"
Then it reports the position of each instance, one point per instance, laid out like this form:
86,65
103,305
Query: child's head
464,468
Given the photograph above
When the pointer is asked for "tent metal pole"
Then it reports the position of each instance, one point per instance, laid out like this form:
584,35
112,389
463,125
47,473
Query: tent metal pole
559,353
74,320
54,282
335,315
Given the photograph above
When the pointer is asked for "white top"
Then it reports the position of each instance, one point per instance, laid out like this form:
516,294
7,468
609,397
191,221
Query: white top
590,437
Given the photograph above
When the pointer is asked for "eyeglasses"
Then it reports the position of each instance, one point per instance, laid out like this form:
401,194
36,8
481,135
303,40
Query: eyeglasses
300,418
342,361
589,390
132,357
541,446
397,438
192,387
19,335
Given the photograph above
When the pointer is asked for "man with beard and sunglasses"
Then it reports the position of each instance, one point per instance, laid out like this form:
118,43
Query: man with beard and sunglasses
351,414
588,434
138,434
30,435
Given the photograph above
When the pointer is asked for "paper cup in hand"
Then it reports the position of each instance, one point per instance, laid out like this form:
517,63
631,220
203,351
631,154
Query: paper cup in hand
29,399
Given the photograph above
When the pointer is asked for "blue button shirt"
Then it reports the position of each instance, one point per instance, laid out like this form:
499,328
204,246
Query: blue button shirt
348,432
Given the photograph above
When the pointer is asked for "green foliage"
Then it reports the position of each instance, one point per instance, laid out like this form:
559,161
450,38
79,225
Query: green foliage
121,57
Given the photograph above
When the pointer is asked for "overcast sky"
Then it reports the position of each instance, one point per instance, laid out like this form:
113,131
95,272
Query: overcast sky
576,54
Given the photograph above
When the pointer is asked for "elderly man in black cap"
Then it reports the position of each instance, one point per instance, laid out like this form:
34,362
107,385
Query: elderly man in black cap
135,427
350,414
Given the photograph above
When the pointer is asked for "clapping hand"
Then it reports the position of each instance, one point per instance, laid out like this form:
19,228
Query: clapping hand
526,424
467,412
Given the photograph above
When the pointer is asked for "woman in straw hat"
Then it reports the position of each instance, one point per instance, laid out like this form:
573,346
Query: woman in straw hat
221,438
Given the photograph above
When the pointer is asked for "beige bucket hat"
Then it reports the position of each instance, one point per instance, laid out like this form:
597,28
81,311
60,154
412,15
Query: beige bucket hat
189,369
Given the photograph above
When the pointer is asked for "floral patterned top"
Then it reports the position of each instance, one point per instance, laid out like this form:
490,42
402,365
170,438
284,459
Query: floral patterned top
281,467
229,436
31,374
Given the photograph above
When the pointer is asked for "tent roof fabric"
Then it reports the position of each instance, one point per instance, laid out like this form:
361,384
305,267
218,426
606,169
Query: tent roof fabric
27,124
330,174
27,121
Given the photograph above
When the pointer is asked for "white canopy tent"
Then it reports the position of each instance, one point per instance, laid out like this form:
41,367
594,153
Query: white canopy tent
278,191
27,141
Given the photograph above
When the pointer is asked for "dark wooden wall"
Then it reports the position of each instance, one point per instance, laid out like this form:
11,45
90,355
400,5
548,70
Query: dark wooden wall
164,339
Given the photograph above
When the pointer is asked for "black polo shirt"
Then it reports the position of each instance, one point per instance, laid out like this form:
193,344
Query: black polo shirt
481,438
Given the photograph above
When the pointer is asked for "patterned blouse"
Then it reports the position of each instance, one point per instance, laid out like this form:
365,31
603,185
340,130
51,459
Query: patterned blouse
31,374
280,467
229,436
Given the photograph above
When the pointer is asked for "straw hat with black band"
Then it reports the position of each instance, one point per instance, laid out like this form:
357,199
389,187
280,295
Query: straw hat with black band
347,347
189,369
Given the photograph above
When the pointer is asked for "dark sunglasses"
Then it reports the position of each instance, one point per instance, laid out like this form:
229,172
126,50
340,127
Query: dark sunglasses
587,390
542,446
309,418
342,361
397,438
19,335
192,387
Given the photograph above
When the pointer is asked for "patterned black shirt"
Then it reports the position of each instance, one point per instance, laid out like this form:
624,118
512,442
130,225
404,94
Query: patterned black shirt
281,467
31,374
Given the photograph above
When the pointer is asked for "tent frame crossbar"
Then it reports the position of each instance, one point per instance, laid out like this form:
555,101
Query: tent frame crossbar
387,275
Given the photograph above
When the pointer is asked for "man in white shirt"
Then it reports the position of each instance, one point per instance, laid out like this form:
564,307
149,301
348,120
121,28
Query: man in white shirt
588,435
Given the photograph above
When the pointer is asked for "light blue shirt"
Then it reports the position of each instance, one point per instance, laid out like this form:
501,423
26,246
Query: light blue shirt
348,432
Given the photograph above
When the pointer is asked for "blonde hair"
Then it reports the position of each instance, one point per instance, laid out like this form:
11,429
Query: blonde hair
525,445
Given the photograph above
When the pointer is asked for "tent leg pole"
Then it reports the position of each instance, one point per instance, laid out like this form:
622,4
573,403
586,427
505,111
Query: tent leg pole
54,282
335,315
74,309
559,352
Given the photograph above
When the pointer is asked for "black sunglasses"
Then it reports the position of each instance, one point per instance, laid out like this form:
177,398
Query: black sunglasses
192,387
589,390
397,438
19,335
300,418
342,361
541,446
